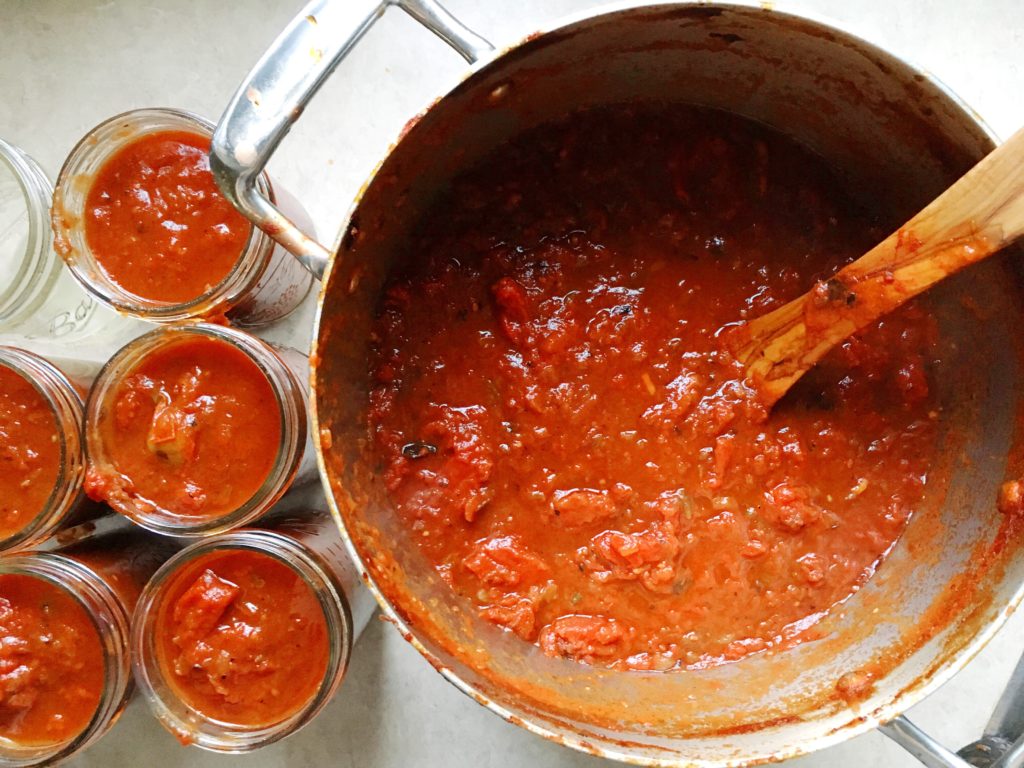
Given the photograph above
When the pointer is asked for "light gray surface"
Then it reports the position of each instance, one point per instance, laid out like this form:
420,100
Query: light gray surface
67,64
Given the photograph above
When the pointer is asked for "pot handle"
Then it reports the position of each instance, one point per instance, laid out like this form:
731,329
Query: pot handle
275,92
1001,745
921,745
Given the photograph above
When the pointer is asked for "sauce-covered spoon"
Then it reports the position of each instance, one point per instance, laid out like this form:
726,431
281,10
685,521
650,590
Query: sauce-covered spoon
979,215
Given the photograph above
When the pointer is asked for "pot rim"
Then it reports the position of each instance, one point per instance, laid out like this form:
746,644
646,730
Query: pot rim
858,723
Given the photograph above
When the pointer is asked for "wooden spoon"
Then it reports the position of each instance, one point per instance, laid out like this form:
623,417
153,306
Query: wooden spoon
976,217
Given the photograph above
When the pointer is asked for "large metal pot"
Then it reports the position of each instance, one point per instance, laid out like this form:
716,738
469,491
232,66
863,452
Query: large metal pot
894,133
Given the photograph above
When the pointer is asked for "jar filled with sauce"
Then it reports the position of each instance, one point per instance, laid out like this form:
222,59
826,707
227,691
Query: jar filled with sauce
138,218
42,457
196,429
242,639
65,659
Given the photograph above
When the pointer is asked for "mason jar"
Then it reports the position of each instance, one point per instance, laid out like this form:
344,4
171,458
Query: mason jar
111,409
266,282
41,398
39,299
67,624
233,716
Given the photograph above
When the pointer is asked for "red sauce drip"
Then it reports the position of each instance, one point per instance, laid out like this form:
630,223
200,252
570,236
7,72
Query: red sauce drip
242,638
156,222
51,663
567,438
194,429
29,452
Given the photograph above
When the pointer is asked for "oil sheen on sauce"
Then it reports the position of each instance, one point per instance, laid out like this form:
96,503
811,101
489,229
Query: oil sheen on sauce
560,425
51,663
29,452
242,639
156,222
194,430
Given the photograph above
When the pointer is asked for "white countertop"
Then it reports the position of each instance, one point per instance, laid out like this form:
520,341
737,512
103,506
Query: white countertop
67,64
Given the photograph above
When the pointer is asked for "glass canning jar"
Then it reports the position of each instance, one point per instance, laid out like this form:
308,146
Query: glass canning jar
306,543
102,578
39,299
62,396
266,283
295,460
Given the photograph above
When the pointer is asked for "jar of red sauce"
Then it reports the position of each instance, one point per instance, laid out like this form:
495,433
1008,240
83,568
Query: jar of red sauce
197,428
139,220
42,458
65,660
241,639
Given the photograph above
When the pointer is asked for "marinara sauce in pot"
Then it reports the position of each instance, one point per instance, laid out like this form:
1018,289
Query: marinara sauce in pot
562,429
558,247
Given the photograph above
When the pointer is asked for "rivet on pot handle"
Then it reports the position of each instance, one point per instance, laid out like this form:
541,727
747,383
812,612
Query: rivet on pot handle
277,89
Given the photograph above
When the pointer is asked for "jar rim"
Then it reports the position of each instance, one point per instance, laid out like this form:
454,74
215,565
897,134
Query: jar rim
288,394
93,150
185,721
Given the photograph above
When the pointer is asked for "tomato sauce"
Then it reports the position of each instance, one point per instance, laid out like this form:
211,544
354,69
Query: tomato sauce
30,453
194,430
156,222
559,422
51,663
242,638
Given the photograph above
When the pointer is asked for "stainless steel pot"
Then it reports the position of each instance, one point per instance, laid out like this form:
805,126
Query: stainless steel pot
894,133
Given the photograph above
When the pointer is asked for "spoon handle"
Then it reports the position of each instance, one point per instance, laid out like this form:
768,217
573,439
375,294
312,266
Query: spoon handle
979,215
